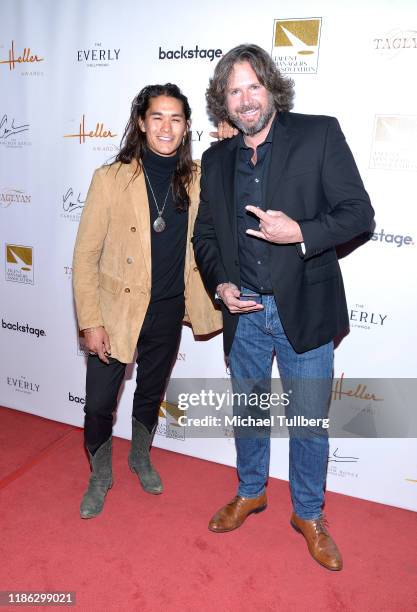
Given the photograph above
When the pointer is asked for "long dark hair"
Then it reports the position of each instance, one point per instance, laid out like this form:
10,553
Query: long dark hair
281,88
133,144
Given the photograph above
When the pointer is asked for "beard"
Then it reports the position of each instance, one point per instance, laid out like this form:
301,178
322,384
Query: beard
264,118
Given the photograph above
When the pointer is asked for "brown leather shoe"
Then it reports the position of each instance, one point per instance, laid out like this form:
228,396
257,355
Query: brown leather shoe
320,543
235,512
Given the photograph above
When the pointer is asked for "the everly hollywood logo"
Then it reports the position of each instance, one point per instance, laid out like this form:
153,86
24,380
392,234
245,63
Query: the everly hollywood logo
394,143
19,264
99,132
363,317
17,58
9,196
22,385
192,53
98,56
295,45
24,328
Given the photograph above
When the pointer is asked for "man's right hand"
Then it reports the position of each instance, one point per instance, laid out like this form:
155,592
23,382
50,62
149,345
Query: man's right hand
98,343
230,296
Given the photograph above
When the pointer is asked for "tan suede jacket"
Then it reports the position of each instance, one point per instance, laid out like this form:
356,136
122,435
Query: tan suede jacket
112,261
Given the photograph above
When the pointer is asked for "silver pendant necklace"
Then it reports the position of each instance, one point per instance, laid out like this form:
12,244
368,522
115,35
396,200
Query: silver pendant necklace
159,224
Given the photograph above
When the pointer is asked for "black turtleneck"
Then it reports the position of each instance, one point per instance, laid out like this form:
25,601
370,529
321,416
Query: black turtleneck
168,247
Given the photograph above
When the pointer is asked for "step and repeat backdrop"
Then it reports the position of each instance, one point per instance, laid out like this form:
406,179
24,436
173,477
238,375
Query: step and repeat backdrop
68,73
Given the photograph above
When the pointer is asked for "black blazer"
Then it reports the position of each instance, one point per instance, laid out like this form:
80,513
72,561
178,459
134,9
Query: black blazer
313,178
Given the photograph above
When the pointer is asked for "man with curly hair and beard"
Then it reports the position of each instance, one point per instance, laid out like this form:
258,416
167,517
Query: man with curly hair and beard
275,202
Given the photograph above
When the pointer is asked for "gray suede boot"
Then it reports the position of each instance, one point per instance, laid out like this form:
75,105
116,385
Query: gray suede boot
139,459
101,480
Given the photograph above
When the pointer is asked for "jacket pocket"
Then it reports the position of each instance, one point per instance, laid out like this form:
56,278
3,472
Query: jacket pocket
108,283
323,273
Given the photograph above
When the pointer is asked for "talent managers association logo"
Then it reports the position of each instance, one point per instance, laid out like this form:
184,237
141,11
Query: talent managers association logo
295,45
19,264
13,196
394,143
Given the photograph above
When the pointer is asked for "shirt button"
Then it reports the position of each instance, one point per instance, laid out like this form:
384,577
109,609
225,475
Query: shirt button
133,229
129,260
259,262
127,290
256,180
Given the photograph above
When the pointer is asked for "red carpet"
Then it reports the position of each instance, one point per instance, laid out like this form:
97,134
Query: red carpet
154,553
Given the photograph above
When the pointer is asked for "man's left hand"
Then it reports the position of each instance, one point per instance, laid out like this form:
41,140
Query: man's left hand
275,226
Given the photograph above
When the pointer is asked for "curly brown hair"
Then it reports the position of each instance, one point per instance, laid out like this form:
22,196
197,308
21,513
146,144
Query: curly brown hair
134,145
280,87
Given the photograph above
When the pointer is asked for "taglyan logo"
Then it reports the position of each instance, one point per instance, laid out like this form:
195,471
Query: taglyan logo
391,239
19,264
395,42
394,143
22,385
72,205
168,425
13,196
11,131
98,56
99,133
20,60
295,45
194,53
364,318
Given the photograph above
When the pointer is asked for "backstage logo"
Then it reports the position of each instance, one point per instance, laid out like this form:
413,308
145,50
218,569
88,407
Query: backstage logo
72,205
8,197
295,45
22,385
24,328
391,239
394,143
337,457
168,422
19,264
362,317
395,42
21,60
192,53
11,132
98,56
99,134
76,399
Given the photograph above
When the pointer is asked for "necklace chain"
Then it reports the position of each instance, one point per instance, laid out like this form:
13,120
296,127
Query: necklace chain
160,211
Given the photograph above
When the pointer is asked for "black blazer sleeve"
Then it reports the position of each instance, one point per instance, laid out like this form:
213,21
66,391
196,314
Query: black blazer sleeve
206,247
348,212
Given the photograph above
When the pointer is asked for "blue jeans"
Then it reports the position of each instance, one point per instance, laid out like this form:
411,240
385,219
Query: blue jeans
309,376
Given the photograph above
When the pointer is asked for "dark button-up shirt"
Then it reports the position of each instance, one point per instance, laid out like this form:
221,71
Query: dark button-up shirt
251,189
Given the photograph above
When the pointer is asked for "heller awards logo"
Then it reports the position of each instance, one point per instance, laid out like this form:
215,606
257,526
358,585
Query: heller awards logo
11,132
8,197
72,205
98,56
22,60
362,317
99,133
295,45
19,264
394,143
394,42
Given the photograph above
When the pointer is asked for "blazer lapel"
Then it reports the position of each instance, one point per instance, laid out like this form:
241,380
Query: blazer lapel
280,148
228,170
139,198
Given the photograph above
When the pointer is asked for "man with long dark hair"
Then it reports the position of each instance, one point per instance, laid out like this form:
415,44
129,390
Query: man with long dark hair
135,278
275,201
